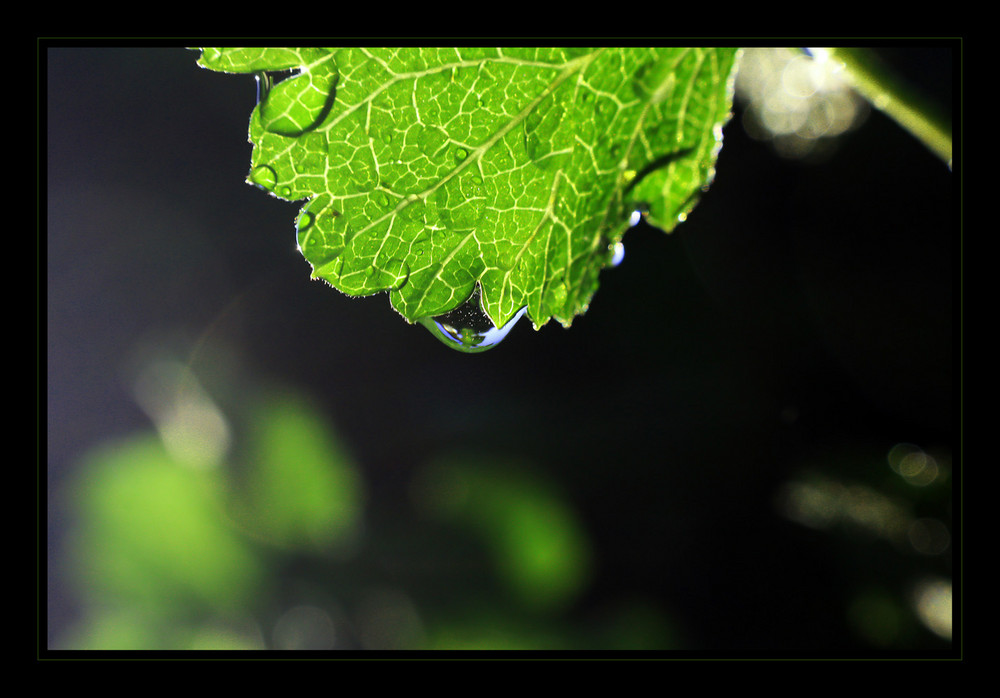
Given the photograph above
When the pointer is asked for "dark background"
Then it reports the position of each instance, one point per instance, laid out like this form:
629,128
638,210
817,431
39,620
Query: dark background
803,317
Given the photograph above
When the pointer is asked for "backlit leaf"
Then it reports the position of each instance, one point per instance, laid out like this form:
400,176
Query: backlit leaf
425,172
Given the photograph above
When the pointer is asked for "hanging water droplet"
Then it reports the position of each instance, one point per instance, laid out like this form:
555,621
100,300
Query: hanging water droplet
617,253
264,83
468,328
210,55
638,214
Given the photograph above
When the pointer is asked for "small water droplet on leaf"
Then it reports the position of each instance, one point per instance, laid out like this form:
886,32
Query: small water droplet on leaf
299,104
305,222
263,176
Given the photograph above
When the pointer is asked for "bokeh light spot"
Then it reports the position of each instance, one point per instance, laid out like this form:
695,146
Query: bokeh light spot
932,602
795,100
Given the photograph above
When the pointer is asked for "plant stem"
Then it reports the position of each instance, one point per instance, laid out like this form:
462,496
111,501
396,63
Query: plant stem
875,81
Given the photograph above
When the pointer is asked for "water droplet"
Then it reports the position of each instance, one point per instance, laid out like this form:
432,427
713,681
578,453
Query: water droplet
211,55
305,222
467,328
476,186
299,104
264,83
461,154
617,253
638,214
421,242
263,176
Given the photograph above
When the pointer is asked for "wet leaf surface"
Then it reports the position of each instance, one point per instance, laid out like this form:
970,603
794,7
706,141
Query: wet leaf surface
434,173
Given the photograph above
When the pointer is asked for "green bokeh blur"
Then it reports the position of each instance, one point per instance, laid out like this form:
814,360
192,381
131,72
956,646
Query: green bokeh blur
174,553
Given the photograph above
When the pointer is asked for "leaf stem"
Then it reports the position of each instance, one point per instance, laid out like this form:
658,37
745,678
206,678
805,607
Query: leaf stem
886,91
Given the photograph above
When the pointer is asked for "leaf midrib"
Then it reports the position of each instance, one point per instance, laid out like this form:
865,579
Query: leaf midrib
569,68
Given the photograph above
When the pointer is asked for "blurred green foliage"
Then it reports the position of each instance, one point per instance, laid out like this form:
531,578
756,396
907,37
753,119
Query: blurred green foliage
271,546
154,549
301,489
536,542
154,531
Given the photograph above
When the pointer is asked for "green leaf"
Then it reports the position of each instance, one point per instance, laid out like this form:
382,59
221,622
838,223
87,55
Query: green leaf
429,171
